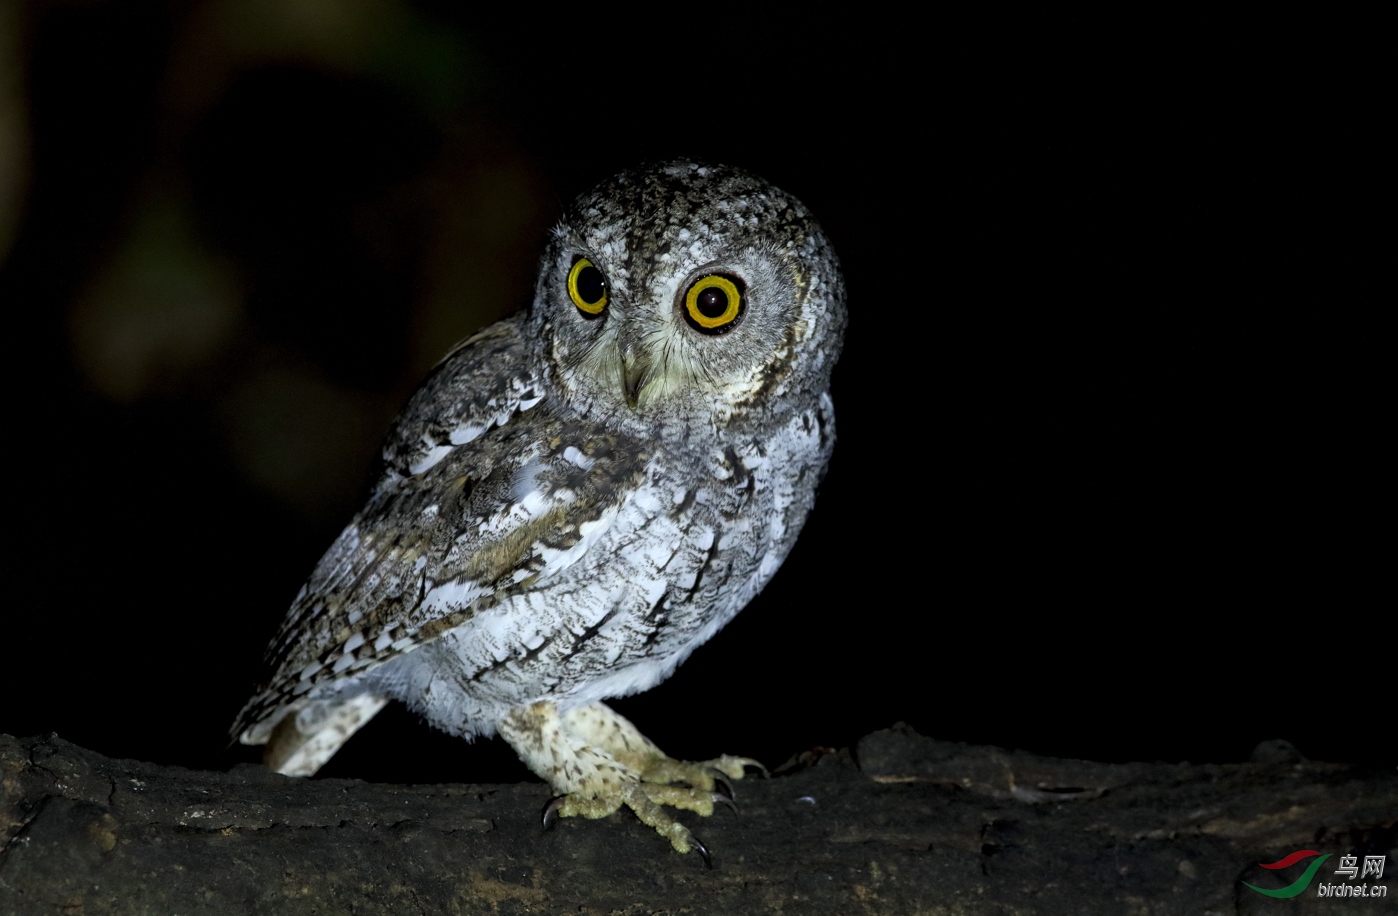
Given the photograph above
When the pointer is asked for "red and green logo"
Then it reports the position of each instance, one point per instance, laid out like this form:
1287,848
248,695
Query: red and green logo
1301,883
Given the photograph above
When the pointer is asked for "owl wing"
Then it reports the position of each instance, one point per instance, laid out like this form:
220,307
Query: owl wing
478,386
479,500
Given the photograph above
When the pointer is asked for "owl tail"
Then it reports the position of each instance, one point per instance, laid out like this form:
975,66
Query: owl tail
306,738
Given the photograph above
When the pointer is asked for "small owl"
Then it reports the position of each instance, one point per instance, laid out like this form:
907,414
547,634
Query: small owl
580,495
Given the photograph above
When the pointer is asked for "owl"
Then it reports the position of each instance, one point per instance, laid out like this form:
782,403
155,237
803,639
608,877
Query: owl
580,495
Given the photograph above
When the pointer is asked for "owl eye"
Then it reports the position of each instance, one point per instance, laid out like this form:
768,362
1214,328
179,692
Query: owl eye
714,304
586,288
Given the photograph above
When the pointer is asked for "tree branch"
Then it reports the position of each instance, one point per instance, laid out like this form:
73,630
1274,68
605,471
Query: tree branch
904,824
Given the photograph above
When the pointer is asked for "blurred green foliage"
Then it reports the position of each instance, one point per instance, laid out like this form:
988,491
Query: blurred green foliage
14,126
242,269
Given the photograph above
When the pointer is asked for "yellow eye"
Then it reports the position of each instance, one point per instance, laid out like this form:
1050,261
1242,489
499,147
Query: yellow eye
586,288
713,304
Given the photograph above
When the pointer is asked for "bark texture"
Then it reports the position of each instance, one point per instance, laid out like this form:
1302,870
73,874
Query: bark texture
901,824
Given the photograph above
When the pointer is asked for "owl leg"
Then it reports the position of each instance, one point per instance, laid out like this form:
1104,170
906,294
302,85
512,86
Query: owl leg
601,727
590,781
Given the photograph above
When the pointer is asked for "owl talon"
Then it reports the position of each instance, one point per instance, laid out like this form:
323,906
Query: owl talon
721,799
721,783
703,852
732,767
551,810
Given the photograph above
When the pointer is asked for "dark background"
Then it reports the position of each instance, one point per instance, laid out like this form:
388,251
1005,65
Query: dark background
1106,485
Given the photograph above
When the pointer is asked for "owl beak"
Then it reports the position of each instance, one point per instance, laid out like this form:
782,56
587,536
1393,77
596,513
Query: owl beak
635,372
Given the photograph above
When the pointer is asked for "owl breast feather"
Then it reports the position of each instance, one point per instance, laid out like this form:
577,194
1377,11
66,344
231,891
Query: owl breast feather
648,579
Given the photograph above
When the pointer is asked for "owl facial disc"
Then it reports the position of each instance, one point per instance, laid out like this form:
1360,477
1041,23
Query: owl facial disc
684,290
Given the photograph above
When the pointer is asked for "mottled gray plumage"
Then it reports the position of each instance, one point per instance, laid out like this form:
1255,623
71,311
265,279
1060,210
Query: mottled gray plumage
573,503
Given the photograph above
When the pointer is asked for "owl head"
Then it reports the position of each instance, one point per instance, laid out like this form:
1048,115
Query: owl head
687,290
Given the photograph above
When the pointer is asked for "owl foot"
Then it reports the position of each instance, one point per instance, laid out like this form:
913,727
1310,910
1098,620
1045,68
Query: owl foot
642,800
601,727
695,800
597,762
